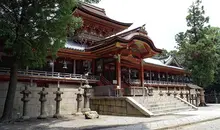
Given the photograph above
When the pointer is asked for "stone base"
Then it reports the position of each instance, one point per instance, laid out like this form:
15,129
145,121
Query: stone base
57,116
202,104
25,117
42,117
78,113
85,110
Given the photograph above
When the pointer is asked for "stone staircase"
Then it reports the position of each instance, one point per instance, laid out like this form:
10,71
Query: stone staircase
162,105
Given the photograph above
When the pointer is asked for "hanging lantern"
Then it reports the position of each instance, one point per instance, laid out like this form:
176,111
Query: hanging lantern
134,74
51,63
152,74
163,76
147,74
64,65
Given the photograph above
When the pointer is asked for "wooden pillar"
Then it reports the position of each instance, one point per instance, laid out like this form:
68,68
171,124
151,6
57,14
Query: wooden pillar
129,75
118,70
93,67
52,67
141,73
74,66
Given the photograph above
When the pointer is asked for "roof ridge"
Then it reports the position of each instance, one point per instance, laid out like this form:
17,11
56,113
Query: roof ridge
93,7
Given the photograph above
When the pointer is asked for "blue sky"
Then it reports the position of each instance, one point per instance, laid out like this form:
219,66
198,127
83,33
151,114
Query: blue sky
163,18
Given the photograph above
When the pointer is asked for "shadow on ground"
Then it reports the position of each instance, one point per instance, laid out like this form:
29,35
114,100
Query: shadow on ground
47,124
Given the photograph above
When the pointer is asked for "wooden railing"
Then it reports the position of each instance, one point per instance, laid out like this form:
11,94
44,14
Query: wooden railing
36,73
152,82
105,81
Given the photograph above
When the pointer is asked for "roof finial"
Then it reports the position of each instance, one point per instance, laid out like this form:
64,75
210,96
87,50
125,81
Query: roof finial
143,29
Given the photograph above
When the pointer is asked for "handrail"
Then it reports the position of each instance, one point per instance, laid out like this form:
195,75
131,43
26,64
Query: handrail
36,73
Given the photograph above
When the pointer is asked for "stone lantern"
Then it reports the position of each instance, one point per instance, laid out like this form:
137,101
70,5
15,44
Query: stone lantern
42,100
25,100
202,98
58,99
79,101
86,95
150,91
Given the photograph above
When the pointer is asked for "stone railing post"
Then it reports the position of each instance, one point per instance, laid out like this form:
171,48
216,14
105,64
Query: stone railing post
25,100
197,97
42,100
202,98
175,93
79,101
181,94
58,99
150,91
161,93
187,96
168,92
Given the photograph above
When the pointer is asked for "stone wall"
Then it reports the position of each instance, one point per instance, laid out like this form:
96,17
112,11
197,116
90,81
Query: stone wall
68,104
113,106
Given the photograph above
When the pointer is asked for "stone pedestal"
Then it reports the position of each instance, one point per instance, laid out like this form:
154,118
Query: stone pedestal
79,102
57,99
42,100
202,98
25,100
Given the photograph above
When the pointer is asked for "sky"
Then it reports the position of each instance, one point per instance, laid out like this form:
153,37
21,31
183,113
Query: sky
163,18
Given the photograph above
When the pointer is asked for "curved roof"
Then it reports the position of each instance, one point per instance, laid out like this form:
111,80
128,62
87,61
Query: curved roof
160,63
127,37
70,44
100,13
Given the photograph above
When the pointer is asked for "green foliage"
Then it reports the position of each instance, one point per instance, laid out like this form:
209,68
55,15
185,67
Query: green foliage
32,29
198,46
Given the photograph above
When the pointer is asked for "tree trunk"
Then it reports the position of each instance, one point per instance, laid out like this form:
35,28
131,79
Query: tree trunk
7,113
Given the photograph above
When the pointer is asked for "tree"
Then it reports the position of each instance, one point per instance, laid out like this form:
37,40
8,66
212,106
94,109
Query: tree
32,30
198,46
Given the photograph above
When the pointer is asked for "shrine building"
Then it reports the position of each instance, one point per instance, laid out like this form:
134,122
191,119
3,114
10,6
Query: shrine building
117,62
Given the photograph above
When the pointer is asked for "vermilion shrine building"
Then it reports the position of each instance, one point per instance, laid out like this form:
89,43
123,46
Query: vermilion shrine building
116,62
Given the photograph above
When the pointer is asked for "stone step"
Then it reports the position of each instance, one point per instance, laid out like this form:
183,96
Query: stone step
163,103
170,109
163,107
172,112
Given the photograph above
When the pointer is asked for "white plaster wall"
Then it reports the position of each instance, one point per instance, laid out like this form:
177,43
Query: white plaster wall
68,103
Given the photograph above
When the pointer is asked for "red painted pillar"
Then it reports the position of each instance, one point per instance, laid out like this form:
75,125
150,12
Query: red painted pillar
93,67
141,73
118,70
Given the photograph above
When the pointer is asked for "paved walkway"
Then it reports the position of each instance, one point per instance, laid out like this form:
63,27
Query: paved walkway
209,125
211,112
